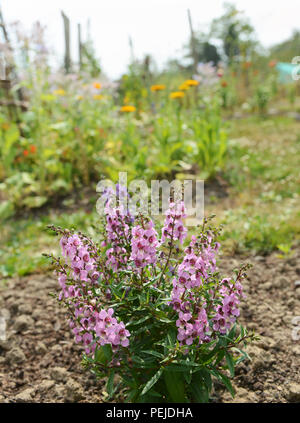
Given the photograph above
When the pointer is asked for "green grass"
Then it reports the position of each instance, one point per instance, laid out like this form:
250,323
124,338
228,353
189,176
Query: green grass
260,233
263,172
24,240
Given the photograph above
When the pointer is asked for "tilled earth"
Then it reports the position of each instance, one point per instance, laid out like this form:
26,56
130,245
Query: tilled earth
39,361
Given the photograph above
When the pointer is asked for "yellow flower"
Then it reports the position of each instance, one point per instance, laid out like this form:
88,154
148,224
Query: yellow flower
191,83
98,97
79,97
184,87
97,85
176,94
128,109
158,87
59,92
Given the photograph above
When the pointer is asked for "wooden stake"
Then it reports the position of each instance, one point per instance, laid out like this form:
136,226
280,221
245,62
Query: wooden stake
193,42
79,46
131,49
67,42
9,75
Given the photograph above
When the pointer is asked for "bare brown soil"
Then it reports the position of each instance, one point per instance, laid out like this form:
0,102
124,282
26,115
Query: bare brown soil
39,361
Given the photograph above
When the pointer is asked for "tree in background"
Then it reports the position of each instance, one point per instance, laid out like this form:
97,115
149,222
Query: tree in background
205,50
235,33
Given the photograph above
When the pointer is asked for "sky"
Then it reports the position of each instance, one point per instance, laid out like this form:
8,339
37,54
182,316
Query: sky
157,27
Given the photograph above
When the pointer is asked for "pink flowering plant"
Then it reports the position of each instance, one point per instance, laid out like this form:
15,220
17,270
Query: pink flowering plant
150,306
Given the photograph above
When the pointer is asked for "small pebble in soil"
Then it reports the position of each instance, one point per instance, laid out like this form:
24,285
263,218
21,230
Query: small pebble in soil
45,386
294,392
74,391
59,374
41,348
23,323
16,356
25,396
25,309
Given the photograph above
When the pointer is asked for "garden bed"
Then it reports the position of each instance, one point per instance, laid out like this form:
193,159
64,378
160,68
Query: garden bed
40,362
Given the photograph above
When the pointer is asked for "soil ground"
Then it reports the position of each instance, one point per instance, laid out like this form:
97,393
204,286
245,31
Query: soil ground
39,361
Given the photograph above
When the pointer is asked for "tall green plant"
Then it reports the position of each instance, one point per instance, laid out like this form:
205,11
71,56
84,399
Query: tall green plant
211,139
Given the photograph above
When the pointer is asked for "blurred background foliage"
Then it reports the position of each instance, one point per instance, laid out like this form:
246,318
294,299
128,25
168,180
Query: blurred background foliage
222,113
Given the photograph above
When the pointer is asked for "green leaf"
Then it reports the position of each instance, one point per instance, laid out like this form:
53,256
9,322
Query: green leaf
143,329
244,356
199,390
132,395
231,334
130,381
110,383
155,353
175,386
155,394
220,356
206,375
107,351
188,376
164,319
230,363
152,381
137,322
171,337
177,368
146,363
226,382
103,355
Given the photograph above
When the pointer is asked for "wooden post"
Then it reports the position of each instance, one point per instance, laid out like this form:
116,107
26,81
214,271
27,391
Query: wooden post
131,49
9,75
79,46
67,42
193,42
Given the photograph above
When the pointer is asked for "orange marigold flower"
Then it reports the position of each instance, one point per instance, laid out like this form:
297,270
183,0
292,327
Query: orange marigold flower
128,109
32,149
158,87
25,153
272,63
191,83
97,85
177,94
224,84
183,87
